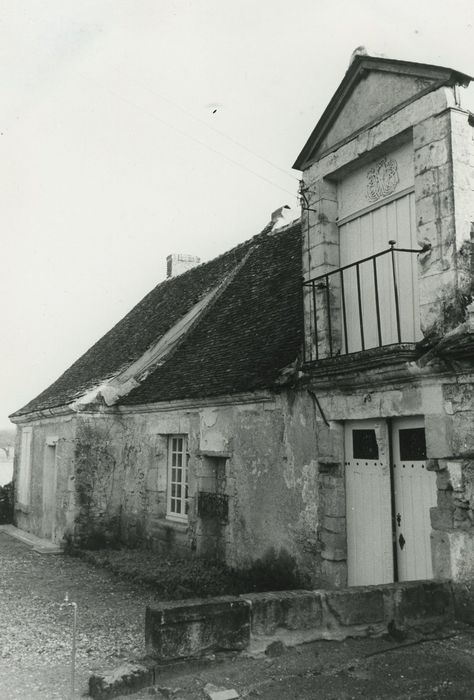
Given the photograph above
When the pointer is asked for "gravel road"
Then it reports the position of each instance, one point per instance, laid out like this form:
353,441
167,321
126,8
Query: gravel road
35,634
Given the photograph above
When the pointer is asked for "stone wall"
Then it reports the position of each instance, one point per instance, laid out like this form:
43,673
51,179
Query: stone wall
443,144
453,518
31,516
444,200
447,405
179,629
266,452
116,465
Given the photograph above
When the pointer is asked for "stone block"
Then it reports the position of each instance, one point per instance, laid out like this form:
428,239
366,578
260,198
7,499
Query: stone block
433,465
274,649
357,606
433,181
334,546
463,435
212,692
439,436
431,129
291,610
440,553
424,600
321,189
336,524
332,495
433,155
437,231
441,518
455,472
445,500
191,628
460,149
462,519
434,206
443,482
123,680
461,396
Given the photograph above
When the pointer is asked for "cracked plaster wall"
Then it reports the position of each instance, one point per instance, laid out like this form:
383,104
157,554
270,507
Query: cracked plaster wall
116,466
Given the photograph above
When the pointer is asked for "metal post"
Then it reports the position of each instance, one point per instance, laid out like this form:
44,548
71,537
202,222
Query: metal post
328,304
361,318
67,604
315,320
377,305
344,320
395,290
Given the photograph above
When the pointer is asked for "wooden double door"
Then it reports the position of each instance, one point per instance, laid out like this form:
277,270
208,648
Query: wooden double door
389,493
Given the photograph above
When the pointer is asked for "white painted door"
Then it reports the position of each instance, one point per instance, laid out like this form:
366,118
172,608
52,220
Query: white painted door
368,503
362,236
415,494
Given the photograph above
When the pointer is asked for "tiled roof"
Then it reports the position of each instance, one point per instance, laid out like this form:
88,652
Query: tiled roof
252,331
241,341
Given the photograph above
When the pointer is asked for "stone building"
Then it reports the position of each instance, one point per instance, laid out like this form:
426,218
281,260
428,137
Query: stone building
387,222
236,412
175,431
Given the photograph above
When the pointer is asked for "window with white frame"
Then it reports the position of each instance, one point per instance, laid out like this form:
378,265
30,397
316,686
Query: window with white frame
24,469
177,506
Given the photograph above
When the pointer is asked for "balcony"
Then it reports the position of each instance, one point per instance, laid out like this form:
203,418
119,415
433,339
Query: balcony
370,303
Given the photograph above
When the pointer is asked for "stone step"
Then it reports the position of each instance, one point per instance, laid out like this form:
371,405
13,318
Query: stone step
38,544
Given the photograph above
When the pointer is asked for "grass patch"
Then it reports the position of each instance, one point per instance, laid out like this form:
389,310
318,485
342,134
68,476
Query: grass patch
175,579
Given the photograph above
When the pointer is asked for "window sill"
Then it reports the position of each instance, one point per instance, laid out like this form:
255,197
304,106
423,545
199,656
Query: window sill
177,525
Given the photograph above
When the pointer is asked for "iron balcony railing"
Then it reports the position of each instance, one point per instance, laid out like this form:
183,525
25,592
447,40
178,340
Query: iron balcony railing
372,302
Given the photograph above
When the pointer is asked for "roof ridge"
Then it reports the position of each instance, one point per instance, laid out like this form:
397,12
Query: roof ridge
256,238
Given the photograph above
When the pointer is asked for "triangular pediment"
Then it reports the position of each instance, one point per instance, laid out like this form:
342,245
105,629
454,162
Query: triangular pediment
372,89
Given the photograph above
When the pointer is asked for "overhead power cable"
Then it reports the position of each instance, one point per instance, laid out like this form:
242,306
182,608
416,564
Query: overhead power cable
152,115
217,131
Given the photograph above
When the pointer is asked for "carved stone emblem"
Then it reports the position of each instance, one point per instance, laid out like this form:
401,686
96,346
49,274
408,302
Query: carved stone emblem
382,179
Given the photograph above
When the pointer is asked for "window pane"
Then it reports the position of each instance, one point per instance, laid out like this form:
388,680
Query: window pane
412,444
364,444
177,475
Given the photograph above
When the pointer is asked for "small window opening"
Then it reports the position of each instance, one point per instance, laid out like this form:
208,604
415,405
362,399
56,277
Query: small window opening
364,444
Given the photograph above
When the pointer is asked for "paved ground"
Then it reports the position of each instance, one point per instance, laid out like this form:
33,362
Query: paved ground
35,638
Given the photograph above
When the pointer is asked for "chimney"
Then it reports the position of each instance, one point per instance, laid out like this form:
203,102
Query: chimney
177,263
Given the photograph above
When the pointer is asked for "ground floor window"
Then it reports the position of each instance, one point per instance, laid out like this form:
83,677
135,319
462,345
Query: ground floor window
177,505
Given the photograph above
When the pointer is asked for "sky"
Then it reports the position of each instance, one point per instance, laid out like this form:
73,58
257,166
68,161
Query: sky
131,129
